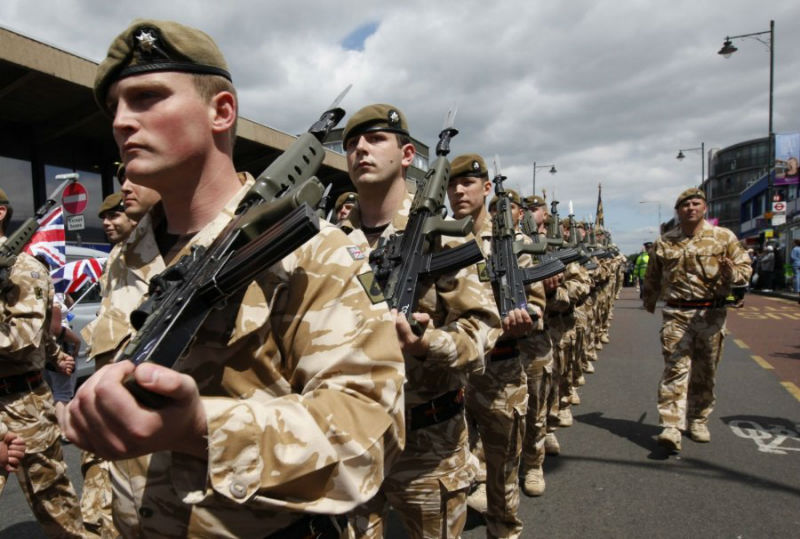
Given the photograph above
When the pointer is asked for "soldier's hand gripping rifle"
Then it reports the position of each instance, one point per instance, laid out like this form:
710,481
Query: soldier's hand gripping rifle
17,241
508,279
273,219
400,262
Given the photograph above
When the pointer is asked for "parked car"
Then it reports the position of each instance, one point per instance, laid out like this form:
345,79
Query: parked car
86,308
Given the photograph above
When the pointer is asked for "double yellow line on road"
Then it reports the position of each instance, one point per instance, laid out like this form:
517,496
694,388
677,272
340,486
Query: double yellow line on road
791,387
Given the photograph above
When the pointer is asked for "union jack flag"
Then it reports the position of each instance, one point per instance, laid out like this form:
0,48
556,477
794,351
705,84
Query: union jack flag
49,240
71,277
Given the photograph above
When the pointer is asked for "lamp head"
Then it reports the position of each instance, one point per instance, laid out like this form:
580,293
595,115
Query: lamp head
727,48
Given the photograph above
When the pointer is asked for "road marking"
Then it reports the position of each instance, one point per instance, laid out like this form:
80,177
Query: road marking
762,362
792,388
768,439
741,344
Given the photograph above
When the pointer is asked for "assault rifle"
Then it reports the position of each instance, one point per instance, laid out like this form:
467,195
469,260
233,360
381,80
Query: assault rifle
401,261
17,241
508,279
555,238
273,219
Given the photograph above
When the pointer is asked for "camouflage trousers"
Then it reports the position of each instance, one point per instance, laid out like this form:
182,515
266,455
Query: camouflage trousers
589,336
427,485
692,347
539,374
96,496
42,474
562,335
497,401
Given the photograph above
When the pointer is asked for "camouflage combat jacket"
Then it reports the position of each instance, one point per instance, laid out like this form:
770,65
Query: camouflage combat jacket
463,315
301,378
686,268
27,302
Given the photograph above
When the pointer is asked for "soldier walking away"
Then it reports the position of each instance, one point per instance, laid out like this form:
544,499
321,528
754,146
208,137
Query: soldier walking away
693,267
26,403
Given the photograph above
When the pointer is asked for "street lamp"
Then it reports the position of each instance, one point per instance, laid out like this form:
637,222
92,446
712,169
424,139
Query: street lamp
728,49
535,166
702,150
658,228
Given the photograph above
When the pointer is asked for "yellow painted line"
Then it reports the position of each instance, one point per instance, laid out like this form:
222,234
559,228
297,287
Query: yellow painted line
741,344
762,362
792,388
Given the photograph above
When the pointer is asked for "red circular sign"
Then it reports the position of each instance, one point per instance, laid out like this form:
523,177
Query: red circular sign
778,206
75,198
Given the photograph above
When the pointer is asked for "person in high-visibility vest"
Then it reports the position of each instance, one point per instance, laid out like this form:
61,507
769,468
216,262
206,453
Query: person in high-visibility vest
640,268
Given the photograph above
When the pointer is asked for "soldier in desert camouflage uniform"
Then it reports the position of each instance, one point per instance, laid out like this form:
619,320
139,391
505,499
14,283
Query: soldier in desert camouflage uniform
287,406
428,485
103,336
692,267
541,377
497,399
26,403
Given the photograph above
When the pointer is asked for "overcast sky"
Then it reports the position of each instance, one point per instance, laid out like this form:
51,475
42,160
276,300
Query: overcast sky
607,91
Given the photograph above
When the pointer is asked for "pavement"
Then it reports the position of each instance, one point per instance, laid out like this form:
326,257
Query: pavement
613,480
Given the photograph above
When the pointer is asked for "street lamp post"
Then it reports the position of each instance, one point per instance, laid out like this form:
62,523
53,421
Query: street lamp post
658,228
728,49
535,166
702,150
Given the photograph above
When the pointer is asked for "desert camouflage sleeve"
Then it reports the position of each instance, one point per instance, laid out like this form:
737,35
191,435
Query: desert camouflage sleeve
471,323
25,306
742,270
324,443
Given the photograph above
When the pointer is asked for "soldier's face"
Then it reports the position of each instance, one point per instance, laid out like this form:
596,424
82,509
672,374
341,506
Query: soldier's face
377,158
538,215
515,213
691,211
138,199
344,211
117,226
467,195
162,126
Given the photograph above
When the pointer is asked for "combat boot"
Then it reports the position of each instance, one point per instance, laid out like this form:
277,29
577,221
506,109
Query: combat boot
670,438
574,398
699,432
551,445
565,417
534,482
587,367
476,499
604,338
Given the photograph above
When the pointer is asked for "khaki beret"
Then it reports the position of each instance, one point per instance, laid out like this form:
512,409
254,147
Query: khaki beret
375,118
470,164
692,192
534,201
548,219
149,45
565,222
512,195
112,202
344,198
4,198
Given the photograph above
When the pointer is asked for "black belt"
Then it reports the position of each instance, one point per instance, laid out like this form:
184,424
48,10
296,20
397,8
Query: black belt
19,383
506,349
697,303
313,527
438,410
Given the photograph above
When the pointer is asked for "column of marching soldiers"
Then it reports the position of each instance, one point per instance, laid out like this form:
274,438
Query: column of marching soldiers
299,403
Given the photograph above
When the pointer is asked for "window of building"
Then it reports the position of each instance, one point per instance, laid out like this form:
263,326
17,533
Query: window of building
16,182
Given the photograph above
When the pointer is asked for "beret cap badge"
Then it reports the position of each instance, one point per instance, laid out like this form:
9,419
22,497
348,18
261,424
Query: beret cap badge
394,117
476,166
146,39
